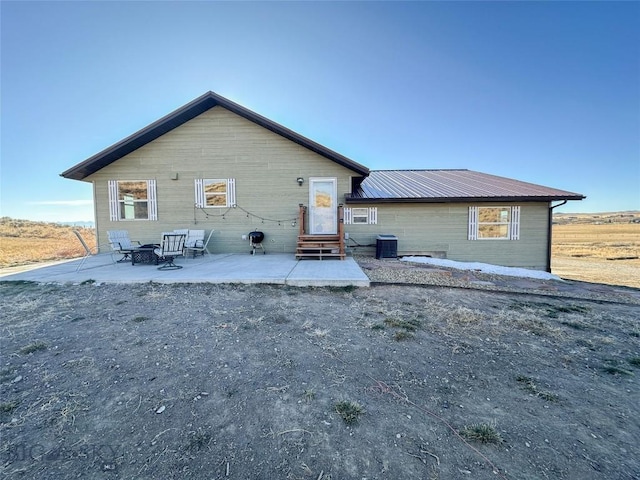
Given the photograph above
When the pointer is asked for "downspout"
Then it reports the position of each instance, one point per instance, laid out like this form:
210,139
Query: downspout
95,216
550,227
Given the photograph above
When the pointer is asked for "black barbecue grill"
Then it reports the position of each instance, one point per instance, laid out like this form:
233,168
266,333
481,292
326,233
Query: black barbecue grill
255,241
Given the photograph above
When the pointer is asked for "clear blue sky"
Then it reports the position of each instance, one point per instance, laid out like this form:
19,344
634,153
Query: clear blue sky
545,92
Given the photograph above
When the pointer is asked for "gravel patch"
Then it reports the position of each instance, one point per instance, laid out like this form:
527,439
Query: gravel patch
394,271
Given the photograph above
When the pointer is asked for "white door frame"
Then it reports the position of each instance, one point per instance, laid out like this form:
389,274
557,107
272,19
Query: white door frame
323,220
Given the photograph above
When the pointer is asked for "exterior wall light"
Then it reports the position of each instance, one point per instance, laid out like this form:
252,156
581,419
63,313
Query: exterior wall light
300,181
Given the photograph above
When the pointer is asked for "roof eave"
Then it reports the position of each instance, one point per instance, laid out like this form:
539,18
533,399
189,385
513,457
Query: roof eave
141,137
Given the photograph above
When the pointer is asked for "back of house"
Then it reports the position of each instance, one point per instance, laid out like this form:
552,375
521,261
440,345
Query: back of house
216,165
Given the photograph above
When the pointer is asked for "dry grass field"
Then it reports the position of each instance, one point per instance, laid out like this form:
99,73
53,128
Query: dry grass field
603,248
607,241
23,242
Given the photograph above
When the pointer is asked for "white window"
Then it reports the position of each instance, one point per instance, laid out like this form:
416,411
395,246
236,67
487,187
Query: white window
132,200
361,215
494,223
215,193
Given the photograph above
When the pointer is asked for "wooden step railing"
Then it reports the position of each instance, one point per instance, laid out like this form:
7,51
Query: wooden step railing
302,215
320,246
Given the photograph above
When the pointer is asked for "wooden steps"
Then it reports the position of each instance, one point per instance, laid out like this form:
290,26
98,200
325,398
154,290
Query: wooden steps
319,247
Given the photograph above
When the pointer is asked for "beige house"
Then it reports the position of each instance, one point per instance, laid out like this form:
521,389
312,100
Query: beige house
215,165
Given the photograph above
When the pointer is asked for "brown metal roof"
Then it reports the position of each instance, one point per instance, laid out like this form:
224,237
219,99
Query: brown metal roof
450,186
183,115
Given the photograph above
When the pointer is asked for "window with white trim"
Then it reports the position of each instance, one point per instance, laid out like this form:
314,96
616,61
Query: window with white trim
494,223
215,193
360,216
132,200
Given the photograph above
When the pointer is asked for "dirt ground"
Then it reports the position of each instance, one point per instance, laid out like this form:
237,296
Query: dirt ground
624,272
244,382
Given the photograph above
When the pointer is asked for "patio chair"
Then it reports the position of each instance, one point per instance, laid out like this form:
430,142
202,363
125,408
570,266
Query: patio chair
87,250
120,243
172,246
204,247
195,243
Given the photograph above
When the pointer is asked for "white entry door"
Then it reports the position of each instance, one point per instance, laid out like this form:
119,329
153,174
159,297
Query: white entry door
323,208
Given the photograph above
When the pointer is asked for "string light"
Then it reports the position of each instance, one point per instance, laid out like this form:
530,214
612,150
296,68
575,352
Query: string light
249,214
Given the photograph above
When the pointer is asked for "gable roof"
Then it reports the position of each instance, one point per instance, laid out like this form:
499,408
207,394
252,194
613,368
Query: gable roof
437,186
189,112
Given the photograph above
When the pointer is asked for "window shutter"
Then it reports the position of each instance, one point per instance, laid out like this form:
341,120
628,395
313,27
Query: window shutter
347,215
231,192
199,193
373,215
153,203
113,200
515,223
473,223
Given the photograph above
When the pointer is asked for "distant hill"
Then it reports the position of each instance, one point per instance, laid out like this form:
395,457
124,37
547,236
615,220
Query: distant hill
11,227
80,224
631,216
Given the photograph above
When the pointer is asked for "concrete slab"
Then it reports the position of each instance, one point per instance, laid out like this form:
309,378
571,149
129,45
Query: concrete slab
336,273
279,269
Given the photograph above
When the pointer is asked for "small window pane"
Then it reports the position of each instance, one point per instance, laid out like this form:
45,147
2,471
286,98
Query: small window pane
216,200
493,231
494,215
132,190
322,200
215,186
134,211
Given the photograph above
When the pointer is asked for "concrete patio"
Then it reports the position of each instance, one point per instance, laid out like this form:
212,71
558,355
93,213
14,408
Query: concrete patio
281,269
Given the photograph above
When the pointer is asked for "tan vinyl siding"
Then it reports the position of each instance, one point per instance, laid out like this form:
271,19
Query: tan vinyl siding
441,230
219,144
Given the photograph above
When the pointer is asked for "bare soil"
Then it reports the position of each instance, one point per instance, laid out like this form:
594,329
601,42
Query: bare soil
598,270
243,382
600,248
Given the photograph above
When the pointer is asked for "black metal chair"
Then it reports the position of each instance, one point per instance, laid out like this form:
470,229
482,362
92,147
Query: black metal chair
172,246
